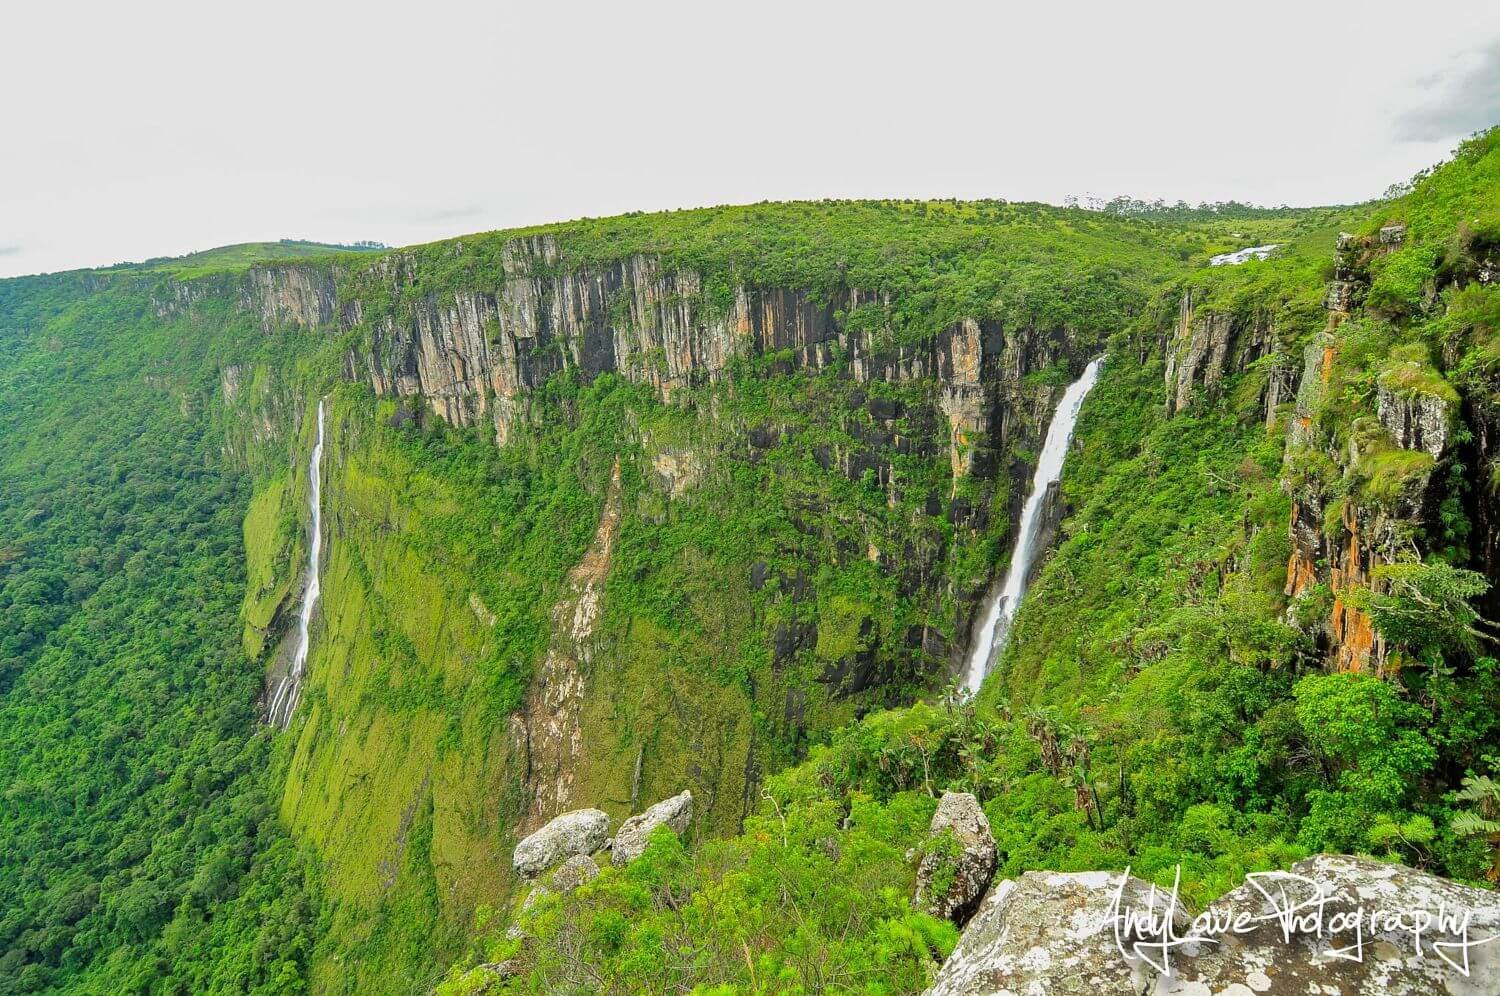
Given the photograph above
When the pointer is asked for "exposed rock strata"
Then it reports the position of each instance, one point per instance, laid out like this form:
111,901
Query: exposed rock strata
1415,421
1207,346
303,296
475,355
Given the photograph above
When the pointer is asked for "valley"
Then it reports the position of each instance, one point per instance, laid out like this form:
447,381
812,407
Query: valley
329,575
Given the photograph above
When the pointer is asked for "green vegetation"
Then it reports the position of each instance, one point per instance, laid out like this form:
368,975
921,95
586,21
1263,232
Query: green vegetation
238,258
139,844
756,582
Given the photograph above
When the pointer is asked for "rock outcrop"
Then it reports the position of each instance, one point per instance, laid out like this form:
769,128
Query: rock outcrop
1207,346
959,859
577,833
674,813
1415,421
572,873
1351,931
1342,531
1053,933
1382,957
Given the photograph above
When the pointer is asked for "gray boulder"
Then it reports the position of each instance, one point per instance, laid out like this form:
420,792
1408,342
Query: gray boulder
958,814
1086,933
676,813
582,831
1389,961
1052,933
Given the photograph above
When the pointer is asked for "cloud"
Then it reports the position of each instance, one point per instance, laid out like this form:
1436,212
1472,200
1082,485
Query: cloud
10,250
1461,103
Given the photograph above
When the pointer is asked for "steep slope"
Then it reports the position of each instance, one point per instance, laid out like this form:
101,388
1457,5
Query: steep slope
1198,678
618,508
798,492
139,844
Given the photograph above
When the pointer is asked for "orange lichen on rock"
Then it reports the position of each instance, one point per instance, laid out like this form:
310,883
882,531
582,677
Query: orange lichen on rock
1356,644
1301,573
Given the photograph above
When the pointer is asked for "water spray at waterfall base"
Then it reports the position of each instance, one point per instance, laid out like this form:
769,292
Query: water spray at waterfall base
289,689
999,609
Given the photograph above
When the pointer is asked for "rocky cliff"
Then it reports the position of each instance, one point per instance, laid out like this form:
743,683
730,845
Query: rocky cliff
476,354
1363,443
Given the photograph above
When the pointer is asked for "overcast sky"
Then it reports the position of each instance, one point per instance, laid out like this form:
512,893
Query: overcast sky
151,128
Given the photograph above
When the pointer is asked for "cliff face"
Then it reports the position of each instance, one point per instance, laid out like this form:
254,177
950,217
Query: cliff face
1207,346
894,457
290,295
475,355
1364,445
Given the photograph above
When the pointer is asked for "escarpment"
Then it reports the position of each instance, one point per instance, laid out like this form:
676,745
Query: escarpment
598,532
475,355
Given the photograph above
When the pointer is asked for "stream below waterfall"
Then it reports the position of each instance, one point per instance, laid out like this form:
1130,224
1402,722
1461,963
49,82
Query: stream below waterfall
999,608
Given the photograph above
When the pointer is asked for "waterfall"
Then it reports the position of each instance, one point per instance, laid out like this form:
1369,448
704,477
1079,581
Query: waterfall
1000,607
289,689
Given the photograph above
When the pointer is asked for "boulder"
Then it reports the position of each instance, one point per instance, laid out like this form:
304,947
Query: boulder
1351,932
515,931
958,814
582,831
1053,933
676,813
1381,959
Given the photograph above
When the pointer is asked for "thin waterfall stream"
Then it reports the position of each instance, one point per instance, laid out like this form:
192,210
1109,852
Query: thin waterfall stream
1000,609
289,689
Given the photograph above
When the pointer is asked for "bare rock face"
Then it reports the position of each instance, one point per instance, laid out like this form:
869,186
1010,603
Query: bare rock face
290,295
581,832
1208,347
1052,933
1332,925
630,842
1416,422
476,355
959,819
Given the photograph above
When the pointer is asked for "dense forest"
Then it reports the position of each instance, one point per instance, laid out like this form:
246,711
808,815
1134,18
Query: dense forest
746,507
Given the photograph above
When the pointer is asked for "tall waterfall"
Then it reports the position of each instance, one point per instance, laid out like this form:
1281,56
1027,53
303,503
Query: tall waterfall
991,634
289,689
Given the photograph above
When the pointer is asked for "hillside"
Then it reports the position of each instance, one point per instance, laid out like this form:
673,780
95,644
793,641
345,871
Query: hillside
707,500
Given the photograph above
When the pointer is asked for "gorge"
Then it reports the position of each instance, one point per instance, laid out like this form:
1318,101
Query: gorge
329,581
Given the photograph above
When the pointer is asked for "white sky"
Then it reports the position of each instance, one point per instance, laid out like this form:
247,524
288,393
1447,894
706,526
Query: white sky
130,130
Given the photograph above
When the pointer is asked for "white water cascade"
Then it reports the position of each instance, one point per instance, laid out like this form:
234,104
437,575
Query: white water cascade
991,634
289,689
